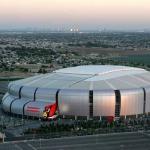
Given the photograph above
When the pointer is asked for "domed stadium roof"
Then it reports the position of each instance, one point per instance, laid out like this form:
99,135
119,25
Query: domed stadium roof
96,77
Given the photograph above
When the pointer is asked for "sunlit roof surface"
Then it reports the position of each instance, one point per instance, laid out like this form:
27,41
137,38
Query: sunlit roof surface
90,77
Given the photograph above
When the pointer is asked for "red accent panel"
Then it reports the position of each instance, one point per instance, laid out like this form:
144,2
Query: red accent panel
32,107
33,110
52,110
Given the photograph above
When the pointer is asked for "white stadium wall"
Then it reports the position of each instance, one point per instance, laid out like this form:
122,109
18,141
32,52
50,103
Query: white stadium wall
99,92
103,103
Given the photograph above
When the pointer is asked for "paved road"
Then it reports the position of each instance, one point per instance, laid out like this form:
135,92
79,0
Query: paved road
3,86
118,141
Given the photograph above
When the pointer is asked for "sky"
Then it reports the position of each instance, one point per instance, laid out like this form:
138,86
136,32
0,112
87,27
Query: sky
82,14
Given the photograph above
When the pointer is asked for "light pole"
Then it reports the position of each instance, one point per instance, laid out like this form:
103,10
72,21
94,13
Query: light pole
22,124
40,143
3,137
3,134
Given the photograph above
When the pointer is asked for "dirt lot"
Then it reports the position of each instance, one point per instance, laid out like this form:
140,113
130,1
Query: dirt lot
6,74
108,51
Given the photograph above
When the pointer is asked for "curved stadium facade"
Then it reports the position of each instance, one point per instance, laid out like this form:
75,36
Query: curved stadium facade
83,91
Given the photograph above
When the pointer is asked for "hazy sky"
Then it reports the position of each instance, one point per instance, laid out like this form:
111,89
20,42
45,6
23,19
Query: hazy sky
83,14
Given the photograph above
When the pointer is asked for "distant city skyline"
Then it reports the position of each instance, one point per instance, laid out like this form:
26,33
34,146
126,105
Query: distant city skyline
75,14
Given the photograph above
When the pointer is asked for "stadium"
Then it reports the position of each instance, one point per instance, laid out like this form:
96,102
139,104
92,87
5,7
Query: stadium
92,91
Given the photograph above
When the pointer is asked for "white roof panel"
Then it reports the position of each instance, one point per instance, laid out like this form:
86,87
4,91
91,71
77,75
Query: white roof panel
91,77
96,69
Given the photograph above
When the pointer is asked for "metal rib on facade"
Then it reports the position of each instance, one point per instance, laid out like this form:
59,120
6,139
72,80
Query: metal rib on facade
74,102
104,103
28,92
46,94
7,102
14,90
147,105
131,102
17,106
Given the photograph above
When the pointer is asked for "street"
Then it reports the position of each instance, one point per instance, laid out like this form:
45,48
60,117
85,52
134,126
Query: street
115,141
